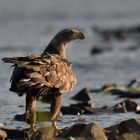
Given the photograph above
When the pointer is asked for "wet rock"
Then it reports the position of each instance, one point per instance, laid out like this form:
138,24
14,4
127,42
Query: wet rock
131,90
126,130
67,110
126,105
122,91
105,88
19,117
83,105
79,108
96,50
100,49
87,107
119,33
44,134
137,112
14,134
21,106
75,109
90,131
128,125
83,95
108,86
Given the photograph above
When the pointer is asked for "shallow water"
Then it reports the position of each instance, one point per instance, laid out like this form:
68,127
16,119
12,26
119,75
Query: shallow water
29,27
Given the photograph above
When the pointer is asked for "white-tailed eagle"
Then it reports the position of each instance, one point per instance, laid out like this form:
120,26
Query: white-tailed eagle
49,73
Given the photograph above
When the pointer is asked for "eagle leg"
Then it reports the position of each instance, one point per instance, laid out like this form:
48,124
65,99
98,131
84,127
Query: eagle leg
56,103
31,111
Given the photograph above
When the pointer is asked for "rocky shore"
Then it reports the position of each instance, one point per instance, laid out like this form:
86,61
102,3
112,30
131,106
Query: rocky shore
125,130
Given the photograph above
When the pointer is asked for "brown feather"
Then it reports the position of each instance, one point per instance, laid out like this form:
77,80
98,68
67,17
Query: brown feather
50,70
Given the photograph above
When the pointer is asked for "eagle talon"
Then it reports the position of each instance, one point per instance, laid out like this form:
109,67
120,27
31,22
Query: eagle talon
57,130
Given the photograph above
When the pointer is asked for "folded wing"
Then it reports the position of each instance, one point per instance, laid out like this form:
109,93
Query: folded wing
41,71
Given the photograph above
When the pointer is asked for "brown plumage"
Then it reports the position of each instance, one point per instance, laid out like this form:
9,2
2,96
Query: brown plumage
48,74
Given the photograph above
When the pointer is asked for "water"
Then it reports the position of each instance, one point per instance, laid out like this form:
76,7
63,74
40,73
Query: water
28,27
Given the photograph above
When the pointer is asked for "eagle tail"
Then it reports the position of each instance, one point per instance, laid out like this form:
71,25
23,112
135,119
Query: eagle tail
10,60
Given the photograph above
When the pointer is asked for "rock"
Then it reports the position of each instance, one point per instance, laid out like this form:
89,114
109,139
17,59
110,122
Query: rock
129,91
14,134
108,87
100,49
90,131
130,136
83,105
120,34
44,134
81,108
19,117
137,112
126,130
126,105
105,88
98,133
83,95
129,125
86,107
3,135
71,110
75,109
96,50
128,94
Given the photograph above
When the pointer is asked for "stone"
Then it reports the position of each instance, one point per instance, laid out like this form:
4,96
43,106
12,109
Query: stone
87,107
129,125
83,95
19,117
100,49
71,110
14,134
126,105
90,131
44,134
126,130
79,108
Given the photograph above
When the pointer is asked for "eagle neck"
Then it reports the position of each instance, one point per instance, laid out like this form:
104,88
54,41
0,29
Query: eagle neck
56,48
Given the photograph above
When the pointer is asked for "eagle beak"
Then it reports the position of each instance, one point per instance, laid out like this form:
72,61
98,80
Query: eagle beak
81,35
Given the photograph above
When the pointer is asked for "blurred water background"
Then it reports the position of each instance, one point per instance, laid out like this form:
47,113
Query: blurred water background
28,26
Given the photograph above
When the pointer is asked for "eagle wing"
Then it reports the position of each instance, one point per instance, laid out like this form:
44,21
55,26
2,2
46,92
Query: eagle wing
39,71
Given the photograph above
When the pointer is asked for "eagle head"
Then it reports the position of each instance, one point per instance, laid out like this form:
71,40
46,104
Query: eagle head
60,41
68,35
